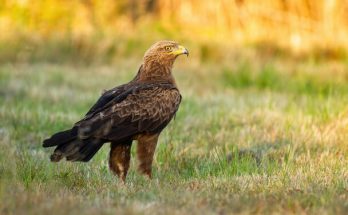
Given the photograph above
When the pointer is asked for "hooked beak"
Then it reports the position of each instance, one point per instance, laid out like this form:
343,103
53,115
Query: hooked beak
180,50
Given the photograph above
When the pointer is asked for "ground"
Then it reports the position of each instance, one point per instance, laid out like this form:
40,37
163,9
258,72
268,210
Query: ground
267,136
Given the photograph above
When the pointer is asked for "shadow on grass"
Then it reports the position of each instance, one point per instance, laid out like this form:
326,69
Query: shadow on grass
222,164
263,158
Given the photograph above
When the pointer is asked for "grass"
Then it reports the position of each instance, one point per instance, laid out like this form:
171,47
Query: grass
257,136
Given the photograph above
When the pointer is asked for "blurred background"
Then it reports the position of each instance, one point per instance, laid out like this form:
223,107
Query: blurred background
266,80
100,31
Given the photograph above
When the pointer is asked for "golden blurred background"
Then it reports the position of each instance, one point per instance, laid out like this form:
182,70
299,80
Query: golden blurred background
64,29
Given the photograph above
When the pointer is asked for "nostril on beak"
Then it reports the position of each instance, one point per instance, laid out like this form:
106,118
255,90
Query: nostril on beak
186,52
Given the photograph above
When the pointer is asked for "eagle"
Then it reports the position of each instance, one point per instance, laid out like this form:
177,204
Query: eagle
138,110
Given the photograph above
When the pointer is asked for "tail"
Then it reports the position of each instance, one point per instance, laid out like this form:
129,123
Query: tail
69,146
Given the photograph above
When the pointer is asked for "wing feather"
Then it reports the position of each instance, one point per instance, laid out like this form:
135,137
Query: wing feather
106,98
144,109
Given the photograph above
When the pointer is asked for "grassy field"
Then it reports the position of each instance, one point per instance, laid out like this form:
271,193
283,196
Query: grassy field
256,135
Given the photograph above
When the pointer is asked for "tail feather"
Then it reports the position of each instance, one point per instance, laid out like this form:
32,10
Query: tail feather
68,145
86,151
60,138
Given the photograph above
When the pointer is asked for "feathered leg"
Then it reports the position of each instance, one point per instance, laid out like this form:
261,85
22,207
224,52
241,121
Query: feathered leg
120,158
145,151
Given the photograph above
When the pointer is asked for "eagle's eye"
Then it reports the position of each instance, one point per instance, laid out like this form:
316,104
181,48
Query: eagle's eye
168,48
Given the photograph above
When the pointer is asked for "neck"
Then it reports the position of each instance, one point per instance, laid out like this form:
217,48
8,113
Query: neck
154,72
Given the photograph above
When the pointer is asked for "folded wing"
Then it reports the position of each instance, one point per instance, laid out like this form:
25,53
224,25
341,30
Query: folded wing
140,109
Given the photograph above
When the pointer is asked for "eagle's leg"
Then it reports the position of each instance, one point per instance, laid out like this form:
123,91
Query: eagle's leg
145,151
120,158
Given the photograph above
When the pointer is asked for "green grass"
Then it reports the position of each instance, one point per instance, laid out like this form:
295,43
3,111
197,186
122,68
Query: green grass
250,137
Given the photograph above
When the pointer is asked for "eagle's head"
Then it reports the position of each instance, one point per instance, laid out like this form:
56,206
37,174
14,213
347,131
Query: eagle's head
164,53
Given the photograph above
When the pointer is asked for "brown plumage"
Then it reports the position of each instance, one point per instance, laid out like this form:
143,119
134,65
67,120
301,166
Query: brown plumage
138,110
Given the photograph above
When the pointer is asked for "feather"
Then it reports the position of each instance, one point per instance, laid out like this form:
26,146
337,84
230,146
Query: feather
60,138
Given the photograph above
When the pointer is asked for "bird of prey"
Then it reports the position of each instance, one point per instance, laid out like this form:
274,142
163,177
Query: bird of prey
138,110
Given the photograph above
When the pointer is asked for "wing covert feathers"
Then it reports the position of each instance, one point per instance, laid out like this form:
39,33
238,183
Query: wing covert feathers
140,110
